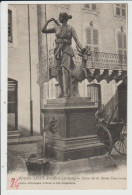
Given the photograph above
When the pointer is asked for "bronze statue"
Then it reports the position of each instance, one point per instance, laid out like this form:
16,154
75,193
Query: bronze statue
67,73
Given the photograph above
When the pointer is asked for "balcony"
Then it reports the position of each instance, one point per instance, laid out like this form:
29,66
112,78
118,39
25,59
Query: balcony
100,65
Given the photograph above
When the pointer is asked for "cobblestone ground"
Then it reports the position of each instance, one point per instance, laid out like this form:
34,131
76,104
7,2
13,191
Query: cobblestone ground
17,154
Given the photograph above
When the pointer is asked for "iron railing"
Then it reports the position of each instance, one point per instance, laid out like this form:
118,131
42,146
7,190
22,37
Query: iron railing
97,60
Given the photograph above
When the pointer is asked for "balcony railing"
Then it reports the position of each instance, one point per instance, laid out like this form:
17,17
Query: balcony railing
97,60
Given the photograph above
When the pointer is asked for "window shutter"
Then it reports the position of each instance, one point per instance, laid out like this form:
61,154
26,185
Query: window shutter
119,40
9,25
117,11
88,31
93,6
87,6
124,41
95,37
123,12
125,55
93,92
120,55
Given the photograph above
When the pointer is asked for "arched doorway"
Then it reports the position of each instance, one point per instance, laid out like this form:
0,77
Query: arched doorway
12,105
122,101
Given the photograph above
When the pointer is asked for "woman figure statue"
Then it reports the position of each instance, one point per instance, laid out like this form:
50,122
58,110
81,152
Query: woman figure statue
64,53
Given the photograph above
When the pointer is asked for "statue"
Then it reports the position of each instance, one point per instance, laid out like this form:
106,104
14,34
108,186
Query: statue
68,75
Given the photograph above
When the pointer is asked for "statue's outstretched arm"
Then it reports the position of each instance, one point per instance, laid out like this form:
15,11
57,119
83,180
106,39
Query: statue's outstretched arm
74,35
50,30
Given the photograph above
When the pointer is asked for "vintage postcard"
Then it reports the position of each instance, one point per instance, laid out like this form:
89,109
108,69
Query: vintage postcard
67,95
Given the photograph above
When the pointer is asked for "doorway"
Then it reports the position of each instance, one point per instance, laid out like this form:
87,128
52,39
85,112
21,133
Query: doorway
122,101
94,93
12,105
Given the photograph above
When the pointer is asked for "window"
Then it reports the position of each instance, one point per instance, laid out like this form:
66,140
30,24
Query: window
94,92
91,7
10,26
93,40
122,48
120,10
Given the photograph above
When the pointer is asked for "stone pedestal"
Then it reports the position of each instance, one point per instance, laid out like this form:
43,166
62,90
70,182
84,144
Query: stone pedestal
71,129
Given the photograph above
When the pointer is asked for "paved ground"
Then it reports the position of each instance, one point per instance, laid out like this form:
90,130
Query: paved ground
17,154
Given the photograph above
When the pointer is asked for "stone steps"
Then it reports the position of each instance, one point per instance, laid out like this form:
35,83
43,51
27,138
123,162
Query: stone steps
24,140
13,134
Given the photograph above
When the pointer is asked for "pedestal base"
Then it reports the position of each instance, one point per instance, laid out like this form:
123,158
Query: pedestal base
73,148
83,166
71,129
72,167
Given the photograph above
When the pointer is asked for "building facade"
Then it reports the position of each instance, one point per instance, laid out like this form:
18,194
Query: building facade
22,69
103,27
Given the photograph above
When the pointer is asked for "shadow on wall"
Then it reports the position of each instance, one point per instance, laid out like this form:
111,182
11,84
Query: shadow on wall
26,132
110,107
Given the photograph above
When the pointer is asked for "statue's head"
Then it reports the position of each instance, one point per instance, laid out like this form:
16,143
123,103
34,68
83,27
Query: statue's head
64,17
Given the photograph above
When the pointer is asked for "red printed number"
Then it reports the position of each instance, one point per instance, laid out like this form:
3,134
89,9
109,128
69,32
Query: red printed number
14,183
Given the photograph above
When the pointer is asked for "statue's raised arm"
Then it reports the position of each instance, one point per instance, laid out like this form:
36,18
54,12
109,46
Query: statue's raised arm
50,30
